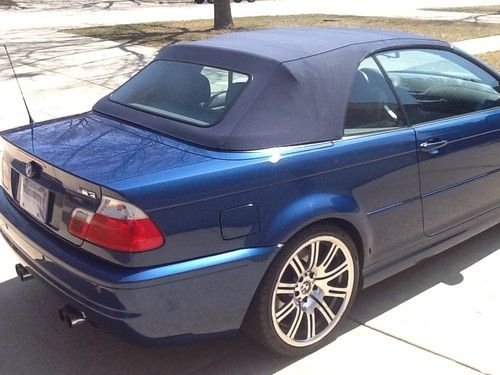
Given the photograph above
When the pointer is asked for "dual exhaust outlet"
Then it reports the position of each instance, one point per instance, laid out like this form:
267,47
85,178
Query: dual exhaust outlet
23,273
66,313
70,316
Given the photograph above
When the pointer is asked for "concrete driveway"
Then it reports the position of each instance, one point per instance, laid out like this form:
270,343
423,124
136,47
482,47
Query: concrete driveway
440,316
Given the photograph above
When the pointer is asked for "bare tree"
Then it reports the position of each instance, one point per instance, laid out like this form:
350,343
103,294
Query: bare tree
222,15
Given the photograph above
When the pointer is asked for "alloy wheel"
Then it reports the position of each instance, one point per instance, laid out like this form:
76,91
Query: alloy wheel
313,291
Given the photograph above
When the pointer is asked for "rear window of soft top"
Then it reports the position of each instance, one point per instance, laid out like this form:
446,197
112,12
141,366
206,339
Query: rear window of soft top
191,93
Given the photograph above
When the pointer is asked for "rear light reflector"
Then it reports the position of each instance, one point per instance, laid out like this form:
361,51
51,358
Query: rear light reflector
116,225
79,222
5,175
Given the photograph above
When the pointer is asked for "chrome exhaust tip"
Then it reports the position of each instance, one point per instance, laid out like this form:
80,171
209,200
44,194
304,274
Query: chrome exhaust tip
71,316
23,273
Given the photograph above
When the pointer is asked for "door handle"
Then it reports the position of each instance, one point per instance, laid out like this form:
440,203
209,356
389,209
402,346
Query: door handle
432,146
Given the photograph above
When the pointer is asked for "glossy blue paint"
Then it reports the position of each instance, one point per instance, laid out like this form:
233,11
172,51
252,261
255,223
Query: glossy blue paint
239,221
452,177
101,149
143,303
195,264
370,182
226,214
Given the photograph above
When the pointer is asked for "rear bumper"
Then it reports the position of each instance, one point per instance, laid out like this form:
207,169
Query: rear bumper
176,302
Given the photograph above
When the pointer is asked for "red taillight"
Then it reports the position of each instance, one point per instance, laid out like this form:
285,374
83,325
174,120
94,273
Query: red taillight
117,226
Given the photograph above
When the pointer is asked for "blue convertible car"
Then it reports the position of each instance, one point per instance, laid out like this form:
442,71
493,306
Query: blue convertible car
255,180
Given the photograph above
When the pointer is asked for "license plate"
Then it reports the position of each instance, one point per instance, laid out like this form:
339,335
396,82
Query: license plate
34,198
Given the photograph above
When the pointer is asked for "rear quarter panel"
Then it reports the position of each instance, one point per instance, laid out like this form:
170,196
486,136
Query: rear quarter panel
369,182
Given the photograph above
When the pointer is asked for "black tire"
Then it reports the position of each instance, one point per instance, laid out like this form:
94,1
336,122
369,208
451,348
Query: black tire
261,321
251,1
237,1
199,1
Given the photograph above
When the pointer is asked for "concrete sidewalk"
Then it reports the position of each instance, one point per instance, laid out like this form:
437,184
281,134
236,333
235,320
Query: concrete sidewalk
480,45
138,11
62,74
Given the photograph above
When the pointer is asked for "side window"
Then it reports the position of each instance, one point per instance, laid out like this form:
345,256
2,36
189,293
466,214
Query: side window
435,84
372,106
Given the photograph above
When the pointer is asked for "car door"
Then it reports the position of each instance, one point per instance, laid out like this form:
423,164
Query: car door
453,105
380,149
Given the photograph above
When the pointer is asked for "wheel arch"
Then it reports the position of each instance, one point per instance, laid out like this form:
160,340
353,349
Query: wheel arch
334,209
348,227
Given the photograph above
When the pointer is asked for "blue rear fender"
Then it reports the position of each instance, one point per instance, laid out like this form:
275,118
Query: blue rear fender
314,208
288,196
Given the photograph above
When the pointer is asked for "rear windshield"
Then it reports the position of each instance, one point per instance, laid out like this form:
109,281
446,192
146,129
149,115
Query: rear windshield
195,94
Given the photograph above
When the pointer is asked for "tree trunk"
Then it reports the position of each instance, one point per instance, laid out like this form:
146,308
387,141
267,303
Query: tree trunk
222,15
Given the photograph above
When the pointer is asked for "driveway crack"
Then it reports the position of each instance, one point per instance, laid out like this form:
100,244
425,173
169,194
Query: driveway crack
416,345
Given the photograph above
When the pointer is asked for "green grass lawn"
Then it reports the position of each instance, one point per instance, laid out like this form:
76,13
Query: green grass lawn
161,33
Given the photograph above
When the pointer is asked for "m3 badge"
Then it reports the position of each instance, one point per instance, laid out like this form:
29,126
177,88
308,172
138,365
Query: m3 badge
87,193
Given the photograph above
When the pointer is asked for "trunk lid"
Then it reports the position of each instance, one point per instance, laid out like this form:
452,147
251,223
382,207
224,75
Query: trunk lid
101,149
72,158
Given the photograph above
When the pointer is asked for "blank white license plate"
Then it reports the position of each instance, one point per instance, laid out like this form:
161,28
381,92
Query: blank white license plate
34,198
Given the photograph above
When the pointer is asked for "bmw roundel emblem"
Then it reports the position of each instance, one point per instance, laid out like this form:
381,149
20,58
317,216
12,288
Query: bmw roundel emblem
31,169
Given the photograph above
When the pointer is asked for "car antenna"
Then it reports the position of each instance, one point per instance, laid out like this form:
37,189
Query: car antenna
32,122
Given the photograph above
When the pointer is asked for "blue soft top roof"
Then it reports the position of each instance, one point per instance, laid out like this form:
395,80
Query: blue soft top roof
299,87
296,43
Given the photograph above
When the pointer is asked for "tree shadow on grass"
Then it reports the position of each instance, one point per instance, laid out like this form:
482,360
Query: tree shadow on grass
153,34
10,4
